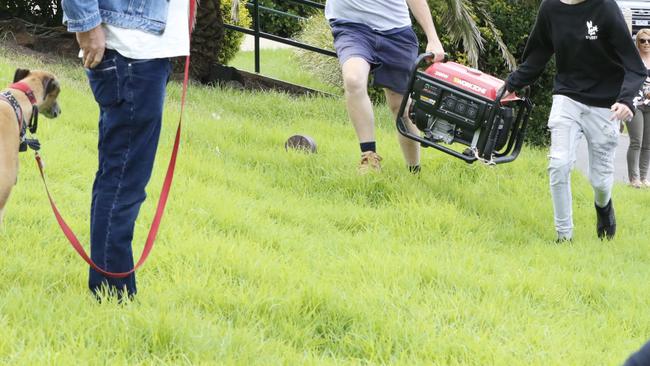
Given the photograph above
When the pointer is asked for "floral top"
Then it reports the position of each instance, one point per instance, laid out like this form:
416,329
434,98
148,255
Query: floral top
642,100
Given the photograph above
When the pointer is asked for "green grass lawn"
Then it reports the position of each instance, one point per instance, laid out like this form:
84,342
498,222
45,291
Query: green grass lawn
267,257
280,64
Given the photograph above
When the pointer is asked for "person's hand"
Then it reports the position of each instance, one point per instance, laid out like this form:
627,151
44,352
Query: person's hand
436,49
506,93
93,44
621,112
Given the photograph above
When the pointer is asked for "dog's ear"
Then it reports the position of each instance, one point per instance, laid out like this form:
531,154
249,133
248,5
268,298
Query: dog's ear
50,85
20,74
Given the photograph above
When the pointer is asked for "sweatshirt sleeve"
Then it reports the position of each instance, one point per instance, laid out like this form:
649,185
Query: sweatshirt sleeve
537,53
635,70
81,15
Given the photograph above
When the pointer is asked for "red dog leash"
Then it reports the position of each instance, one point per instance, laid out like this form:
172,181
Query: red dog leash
164,194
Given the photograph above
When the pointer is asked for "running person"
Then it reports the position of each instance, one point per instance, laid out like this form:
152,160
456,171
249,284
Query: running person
376,37
599,72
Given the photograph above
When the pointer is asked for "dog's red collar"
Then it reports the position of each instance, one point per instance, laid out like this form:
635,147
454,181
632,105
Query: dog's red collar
23,87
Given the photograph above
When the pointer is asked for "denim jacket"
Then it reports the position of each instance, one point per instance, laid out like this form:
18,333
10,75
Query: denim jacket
146,15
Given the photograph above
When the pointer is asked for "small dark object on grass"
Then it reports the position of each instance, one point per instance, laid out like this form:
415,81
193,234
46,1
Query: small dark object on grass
301,142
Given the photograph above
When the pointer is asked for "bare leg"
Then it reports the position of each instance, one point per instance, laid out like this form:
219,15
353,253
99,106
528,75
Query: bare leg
355,81
410,148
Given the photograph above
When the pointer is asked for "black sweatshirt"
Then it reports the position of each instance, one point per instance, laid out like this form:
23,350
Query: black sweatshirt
597,61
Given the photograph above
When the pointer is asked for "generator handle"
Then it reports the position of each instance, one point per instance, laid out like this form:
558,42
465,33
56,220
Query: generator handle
523,93
519,138
520,124
428,56
500,94
494,132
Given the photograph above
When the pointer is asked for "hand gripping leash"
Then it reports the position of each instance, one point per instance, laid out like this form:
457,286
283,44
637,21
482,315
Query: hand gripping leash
164,194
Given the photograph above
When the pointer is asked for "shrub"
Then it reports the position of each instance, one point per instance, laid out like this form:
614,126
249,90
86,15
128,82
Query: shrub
43,12
283,25
316,32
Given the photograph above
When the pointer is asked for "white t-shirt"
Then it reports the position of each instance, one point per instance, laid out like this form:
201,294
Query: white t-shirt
379,15
137,44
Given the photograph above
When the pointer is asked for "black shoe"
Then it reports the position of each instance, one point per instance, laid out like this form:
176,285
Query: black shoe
563,240
606,221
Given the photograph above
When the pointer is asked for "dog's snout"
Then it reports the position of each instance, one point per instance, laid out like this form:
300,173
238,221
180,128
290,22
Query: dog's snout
52,112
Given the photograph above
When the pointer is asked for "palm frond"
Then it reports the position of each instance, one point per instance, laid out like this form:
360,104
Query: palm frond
460,23
462,26
510,60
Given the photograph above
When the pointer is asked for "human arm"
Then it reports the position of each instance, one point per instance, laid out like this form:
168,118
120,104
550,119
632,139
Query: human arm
82,17
635,70
422,14
538,51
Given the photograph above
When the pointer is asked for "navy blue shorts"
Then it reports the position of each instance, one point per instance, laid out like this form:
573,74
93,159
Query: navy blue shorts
390,54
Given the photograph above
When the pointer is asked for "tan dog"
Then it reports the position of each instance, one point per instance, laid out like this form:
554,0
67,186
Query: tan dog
30,88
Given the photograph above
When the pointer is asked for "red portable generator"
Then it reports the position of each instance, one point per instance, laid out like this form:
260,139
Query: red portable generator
452,103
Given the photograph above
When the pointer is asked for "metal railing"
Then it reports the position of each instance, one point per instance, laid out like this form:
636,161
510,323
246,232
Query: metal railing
257,33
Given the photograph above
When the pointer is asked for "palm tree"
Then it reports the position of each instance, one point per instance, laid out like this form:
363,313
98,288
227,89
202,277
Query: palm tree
206,39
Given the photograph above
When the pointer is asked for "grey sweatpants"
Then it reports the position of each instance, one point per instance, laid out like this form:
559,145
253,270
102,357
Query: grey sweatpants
569,121
638,154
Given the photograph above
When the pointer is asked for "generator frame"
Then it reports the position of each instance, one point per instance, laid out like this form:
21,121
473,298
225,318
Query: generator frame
491,127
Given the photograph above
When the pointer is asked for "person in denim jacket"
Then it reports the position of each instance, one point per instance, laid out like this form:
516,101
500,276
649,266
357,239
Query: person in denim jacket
126,54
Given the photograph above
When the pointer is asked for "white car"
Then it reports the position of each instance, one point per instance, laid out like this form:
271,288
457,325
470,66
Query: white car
640,10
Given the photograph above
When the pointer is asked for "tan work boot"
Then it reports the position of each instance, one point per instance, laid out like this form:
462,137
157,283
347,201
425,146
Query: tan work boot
369,162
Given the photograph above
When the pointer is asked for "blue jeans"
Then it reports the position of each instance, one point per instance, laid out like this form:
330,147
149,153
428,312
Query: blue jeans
130,94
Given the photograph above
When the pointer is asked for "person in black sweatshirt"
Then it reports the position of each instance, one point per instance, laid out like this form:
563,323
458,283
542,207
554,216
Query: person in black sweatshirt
599,72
